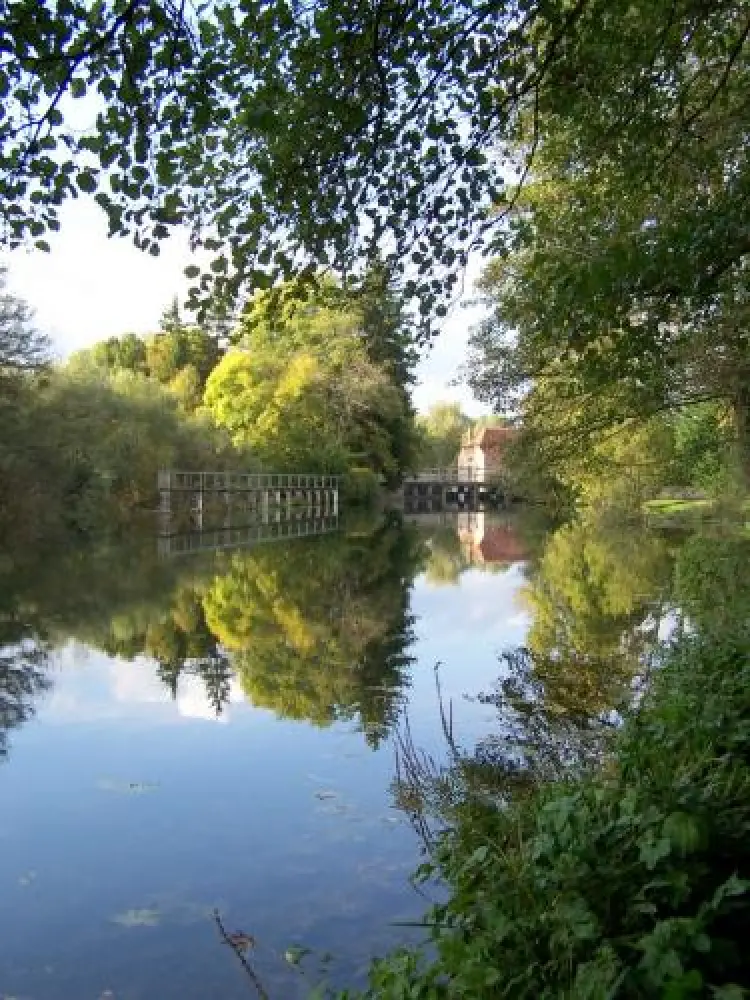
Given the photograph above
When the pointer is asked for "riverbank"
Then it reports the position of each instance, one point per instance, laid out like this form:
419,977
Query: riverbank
634,882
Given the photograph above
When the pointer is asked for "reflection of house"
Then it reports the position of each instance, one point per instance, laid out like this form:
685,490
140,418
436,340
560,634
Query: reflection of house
482,451
485,541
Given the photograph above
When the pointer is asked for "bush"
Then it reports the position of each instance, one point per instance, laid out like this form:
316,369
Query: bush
631,884
360,486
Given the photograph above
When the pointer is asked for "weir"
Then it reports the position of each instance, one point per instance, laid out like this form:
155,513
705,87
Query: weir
459,486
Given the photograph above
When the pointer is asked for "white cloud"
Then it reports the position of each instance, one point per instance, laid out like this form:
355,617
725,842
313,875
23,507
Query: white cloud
92,686
136,683
192,702
90,287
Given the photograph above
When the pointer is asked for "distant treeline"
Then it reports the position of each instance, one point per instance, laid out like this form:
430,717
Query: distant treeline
323,387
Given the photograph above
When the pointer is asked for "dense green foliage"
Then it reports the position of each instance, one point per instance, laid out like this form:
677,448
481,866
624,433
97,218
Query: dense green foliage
82,450
633,883
324,388
619,295
594,845
327,391
180,357
441,429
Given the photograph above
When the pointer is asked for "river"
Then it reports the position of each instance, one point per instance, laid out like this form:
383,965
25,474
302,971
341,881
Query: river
185,734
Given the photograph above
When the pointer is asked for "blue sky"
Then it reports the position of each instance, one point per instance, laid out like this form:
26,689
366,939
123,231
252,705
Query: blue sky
90,287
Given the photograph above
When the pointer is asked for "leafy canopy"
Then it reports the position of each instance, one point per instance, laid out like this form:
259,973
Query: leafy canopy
293,137
305,395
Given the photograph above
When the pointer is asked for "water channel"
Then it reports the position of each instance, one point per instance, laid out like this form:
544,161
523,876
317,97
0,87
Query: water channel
204,727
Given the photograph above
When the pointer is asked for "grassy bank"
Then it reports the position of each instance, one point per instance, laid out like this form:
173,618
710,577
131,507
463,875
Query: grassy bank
632,883
676,505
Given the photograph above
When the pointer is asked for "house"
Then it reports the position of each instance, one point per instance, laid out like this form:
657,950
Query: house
481,454
486,541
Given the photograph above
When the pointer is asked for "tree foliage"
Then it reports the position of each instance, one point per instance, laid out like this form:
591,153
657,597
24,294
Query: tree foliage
22,346
306,394
180,356
295,138
620,290
125,59
629,882
442,428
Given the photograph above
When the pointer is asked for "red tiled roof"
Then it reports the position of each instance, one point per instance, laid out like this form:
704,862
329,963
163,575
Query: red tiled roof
494,437
501,544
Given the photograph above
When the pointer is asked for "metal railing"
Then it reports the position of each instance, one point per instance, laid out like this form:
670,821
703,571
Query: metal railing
248,535
460,474
239,482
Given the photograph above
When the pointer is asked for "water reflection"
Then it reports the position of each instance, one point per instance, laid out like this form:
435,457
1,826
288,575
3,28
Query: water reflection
319,629
130,817
602,593
313,629
458,540
23,678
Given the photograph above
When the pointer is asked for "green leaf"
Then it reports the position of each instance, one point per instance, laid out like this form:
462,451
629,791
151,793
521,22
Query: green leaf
683,831
86,181
295,954
728,992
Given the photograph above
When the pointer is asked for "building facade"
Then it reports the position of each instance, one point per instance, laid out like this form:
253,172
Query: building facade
482,452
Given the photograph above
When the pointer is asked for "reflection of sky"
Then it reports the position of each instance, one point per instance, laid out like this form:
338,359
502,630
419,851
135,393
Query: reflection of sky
464,628
127,816
90,685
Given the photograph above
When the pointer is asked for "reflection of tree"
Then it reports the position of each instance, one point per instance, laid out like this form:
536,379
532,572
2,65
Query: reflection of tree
536,741
597,593
542,739
597,596
181,643
23,677
23,655
446,560
318,629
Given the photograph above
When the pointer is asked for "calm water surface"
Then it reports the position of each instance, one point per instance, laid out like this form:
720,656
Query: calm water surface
184,733
216,732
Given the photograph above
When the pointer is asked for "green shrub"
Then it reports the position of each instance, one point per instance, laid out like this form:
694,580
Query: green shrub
634,883
360,486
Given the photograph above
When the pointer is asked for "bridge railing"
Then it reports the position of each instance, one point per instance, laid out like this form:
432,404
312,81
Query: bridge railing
247,535
456,474
238,482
